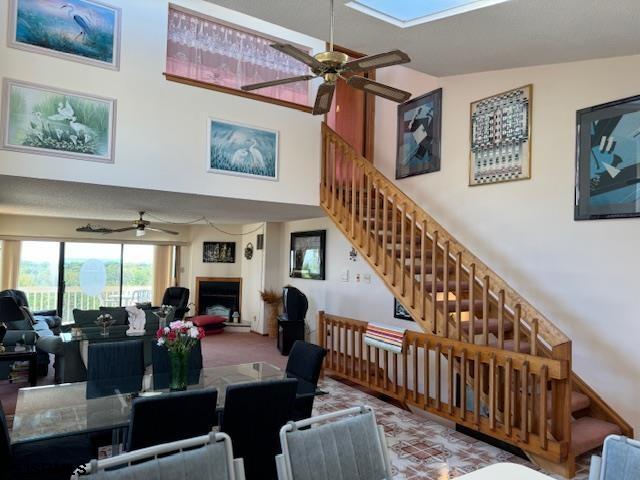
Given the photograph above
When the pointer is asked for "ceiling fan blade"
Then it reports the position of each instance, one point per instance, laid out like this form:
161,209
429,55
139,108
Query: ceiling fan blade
298,54
282,81
162,230
324,98
394,57
379,89
120,230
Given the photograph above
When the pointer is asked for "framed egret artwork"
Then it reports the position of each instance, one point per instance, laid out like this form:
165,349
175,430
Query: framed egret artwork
238,149
84,31
50,121
419,127
608,160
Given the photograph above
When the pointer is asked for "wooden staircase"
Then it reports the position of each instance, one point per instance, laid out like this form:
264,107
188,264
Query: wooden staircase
498,351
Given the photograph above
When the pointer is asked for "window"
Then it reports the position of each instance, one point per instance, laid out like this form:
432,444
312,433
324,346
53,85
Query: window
415,12
137,274
38,276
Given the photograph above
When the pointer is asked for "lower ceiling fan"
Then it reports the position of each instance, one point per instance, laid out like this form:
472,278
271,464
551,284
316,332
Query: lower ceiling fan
140,226
332,65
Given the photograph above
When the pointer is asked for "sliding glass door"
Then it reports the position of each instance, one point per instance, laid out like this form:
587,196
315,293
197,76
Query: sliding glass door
92,275
38,278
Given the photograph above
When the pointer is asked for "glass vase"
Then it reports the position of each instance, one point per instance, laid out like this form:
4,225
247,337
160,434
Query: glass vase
179,364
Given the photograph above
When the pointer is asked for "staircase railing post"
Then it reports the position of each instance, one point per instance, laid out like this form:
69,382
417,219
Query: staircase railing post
561,396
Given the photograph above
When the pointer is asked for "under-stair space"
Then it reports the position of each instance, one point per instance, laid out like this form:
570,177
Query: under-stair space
514,363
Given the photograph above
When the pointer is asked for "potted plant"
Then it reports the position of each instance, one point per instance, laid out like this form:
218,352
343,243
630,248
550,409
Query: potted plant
179,338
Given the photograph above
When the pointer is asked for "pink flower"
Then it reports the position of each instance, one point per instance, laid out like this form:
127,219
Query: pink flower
178,324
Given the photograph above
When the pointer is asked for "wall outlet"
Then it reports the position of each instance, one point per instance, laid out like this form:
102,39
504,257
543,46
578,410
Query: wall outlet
344,275
357,278
366,278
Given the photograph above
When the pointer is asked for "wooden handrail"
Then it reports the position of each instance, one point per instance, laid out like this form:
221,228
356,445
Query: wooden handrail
547,333
451,379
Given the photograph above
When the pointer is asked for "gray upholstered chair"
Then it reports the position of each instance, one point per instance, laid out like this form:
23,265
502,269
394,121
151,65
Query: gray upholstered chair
208,457
351,448
620,460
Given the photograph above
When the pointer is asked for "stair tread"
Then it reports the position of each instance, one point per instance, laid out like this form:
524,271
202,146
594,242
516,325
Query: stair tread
440,286
588,433
492,325
510,344
579,401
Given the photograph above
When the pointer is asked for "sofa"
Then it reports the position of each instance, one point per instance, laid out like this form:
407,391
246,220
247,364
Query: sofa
69,365
21,328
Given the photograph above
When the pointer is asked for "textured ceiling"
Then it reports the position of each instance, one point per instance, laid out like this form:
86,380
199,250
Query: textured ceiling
48,198
517,33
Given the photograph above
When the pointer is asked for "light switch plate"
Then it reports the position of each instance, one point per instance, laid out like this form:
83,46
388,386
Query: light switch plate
344,275
366,278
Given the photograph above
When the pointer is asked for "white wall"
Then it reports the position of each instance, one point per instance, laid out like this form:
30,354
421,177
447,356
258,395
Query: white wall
364,301
252,272
582,275
161,125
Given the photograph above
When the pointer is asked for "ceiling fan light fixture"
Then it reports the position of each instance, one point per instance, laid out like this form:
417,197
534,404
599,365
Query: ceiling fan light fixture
140,232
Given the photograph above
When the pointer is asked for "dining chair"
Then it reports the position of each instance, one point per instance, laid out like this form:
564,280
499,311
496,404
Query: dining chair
253,415
620,460
352,446
114,367
207,457
171,416
162,367
305,364
53,459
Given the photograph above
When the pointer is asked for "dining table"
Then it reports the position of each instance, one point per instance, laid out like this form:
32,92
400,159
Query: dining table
55,411
505,471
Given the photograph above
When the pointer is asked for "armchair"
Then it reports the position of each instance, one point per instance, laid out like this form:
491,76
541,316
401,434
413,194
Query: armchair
177,297
50,317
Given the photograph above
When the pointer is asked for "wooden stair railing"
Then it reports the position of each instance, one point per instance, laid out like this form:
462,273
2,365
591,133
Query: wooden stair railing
517,385
449,291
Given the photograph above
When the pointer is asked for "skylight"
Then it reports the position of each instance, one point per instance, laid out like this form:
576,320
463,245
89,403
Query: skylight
407,13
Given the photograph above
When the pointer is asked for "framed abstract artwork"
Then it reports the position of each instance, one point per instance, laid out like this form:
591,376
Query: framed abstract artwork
608,160
211,53
219,252
501,137
419,130
84,31
238,149
400,312
307,255
51,121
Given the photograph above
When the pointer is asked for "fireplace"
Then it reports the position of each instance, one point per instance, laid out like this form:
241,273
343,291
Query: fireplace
224,291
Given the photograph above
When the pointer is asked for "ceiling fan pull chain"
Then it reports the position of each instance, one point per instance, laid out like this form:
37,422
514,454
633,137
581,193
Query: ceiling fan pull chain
332,22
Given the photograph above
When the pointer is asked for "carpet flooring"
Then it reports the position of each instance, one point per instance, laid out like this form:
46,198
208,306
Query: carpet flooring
420,447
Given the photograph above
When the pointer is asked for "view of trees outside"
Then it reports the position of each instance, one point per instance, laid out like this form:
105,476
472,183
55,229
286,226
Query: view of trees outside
39,275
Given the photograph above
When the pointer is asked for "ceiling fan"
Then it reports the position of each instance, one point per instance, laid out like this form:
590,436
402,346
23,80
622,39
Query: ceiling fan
332,65
140,226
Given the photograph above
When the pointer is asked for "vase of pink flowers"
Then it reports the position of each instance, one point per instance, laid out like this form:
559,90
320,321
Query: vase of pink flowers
179,338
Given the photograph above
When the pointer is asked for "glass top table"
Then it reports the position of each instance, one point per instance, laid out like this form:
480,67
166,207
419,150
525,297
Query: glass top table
59,410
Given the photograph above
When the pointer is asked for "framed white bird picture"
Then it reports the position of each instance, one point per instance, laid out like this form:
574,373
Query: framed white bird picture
54,122
238,149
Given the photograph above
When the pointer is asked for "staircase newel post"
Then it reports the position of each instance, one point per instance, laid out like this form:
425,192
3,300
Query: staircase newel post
322,337
561,397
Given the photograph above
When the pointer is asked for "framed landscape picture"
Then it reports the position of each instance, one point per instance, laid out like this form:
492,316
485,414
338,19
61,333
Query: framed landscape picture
239,149
307,255
419,130
501,137
219,252
400,312
608,160
85,31
211,53
50,121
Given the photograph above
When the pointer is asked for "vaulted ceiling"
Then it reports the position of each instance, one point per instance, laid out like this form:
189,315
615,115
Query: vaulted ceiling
517,33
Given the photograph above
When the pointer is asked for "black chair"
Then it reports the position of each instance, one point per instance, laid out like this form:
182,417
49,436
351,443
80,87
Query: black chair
177,297
253,415
156,420
162,367
305,364
115,367
50,317
54,459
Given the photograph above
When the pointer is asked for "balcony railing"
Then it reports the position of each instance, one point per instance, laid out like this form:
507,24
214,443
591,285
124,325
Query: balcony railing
46,298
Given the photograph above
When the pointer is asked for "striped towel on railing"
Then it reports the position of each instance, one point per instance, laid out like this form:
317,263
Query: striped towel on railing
384,337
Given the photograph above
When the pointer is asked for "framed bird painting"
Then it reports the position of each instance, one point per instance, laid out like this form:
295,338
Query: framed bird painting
55,122
238,149
84,31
